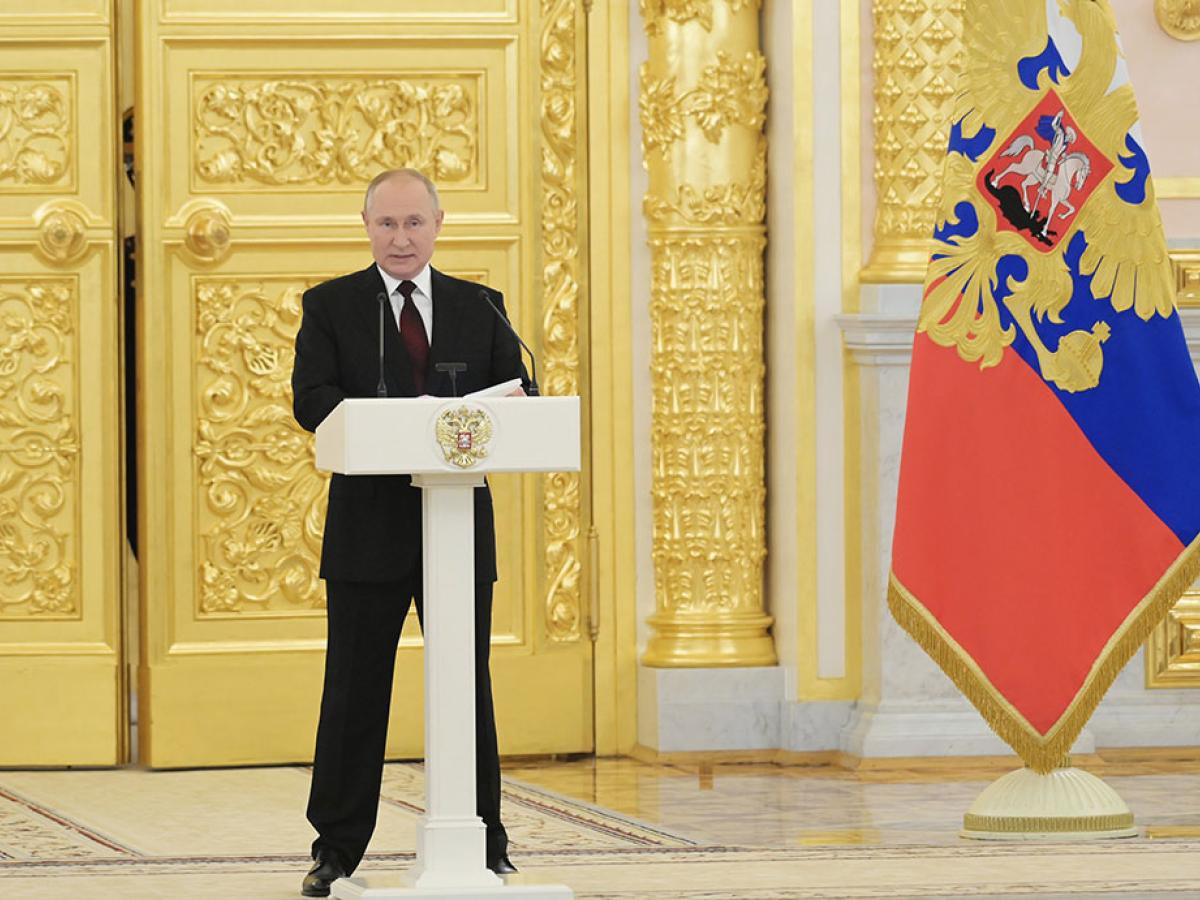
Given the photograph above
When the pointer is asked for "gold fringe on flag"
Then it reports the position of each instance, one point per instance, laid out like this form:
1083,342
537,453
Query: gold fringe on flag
1043,752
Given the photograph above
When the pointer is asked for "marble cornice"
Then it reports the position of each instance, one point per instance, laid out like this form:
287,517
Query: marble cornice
878,340
875,340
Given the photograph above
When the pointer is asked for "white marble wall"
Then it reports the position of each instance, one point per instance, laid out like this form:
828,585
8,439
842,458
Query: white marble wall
908,705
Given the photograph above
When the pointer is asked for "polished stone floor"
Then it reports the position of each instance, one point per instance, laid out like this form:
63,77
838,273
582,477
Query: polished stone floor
612,829
809,806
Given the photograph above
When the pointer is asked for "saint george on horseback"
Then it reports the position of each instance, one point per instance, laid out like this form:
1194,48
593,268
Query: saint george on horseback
1055,171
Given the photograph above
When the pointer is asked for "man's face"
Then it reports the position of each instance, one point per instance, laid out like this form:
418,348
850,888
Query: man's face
402,225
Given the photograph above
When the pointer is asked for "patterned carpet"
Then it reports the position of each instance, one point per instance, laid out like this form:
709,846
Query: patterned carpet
110,834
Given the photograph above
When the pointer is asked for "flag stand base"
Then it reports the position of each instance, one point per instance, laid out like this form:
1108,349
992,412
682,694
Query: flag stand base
1067,804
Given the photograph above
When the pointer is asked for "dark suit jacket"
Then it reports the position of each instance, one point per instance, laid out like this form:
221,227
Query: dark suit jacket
373,523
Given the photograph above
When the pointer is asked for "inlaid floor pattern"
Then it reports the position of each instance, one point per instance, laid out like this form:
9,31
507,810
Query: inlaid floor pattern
616,829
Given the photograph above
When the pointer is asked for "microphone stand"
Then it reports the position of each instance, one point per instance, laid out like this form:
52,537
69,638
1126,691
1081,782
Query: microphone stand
533,385
452,369
381,388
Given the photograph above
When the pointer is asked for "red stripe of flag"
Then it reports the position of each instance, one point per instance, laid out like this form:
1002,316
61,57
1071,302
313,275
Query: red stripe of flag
1005,508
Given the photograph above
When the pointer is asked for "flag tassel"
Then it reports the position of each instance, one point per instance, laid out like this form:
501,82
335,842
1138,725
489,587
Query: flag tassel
1043,753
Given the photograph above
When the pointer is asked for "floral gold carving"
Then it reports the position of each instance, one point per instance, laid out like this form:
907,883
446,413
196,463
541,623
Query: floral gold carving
207,231
260,500
917,60
561,227
300,131
36,130
728,204
730,91
62,232
707,299
39,449
706,328
657,12
1179,18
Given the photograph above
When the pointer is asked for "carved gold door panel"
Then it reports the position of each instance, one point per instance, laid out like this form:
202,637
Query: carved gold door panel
258,127
60,501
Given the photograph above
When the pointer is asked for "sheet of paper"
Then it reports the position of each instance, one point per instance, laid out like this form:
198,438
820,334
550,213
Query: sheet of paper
503,389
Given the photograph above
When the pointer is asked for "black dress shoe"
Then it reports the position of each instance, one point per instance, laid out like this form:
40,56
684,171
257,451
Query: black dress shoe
327,869
501,865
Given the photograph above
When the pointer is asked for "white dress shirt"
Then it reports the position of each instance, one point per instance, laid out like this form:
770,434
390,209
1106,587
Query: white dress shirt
422,297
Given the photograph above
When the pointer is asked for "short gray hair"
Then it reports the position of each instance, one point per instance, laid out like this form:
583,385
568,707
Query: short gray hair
389,174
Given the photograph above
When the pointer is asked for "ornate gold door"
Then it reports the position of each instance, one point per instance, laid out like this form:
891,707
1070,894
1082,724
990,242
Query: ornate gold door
60,504
258,126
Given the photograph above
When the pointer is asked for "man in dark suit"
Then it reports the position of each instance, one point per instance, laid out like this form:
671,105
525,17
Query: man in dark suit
371,556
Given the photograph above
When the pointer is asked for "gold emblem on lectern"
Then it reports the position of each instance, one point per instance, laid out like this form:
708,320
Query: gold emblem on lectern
463,434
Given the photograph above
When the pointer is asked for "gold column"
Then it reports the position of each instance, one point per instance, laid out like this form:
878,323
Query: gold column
918,52
703,96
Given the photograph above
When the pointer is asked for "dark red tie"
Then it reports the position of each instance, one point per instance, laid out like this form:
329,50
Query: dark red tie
412,332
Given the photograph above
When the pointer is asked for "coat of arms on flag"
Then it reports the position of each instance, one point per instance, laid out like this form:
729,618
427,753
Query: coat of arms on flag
1049,500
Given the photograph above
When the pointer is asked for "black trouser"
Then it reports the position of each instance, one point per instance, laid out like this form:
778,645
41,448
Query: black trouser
364,630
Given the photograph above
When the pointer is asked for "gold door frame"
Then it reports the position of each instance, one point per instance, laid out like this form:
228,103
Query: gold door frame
199,239
61,530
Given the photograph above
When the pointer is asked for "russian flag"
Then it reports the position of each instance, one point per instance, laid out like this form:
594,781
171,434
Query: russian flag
1049,499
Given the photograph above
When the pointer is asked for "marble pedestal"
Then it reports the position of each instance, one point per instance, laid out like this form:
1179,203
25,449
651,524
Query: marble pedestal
683,710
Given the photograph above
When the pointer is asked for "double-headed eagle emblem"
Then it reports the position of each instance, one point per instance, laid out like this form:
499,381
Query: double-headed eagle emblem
464,432
1046,186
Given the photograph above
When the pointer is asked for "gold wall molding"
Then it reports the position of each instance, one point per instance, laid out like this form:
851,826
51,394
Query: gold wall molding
1173,651
705,151
1179,18
37,130
1187,277
260,501
918,51
62,232
39,448
561,231
295,129
285,119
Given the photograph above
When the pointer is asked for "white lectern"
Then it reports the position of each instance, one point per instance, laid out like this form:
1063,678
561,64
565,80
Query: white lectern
448,445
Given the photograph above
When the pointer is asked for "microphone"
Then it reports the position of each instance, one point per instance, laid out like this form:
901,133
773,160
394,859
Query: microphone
381,388
452,369
533,385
